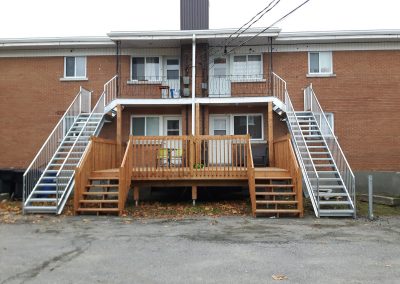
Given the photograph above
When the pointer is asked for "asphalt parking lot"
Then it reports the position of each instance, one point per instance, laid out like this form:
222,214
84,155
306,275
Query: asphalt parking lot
200,250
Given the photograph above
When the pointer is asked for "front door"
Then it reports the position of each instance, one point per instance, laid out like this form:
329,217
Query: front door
219,83
219,152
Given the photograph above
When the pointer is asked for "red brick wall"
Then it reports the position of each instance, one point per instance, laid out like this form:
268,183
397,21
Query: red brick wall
33,99
364,97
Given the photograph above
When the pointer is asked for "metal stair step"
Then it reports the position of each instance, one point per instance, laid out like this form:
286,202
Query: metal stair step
333,202
332,194
40,209
43,199
324,165
327,186
48,192
51,184
336,212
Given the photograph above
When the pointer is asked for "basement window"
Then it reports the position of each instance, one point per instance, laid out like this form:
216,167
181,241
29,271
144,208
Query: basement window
75,67
320,63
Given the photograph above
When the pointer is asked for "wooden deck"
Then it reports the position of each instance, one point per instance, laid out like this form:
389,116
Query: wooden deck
103,180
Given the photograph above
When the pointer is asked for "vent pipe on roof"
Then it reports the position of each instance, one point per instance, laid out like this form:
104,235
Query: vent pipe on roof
194,14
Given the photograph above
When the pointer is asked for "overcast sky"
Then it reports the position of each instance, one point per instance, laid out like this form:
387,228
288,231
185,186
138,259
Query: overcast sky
43,18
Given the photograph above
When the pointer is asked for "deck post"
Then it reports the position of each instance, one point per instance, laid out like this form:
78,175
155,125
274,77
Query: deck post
136,194
194,194
270,136
119,133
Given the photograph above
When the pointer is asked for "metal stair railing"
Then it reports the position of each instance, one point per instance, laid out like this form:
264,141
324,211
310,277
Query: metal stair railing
98,109
36,169
310,174
278,87
312,104
110,90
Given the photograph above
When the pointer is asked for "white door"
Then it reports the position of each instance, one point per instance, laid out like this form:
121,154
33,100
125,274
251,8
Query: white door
219,151
171,79
173,127
219,83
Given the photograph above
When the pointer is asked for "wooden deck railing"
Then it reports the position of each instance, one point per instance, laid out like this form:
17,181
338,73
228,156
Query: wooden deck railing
125,175
190,156
285,158
99,155
251,177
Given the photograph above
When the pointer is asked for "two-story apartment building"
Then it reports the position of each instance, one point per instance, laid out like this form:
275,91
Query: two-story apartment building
196,108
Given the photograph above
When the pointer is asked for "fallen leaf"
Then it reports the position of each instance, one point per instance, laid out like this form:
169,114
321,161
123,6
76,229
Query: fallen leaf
279,277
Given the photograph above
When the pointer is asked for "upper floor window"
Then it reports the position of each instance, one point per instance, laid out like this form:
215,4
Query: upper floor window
320,62
146,68
247,65
75,67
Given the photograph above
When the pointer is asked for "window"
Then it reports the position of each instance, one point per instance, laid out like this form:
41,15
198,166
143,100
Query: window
247,65
145,126
146,68
320,63
172,69
252,124
173,128
75,67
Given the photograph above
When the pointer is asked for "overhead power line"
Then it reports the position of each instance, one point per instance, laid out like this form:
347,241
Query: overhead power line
267,28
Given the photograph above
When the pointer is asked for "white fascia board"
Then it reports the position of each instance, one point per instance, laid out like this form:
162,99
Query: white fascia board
57,42
239,100
188,34
147,102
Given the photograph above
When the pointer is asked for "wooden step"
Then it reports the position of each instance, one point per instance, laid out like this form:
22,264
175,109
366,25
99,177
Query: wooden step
102,185
98,201
276,193
110,177
274,185
274,211
98,209
100,193
276,202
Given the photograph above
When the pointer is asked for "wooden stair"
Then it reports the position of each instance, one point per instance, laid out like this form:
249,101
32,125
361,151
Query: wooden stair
100,196
274,194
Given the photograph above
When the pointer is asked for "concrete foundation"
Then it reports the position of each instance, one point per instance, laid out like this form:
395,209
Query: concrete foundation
384,183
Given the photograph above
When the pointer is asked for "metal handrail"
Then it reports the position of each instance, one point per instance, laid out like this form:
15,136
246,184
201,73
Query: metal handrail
339,159
279,87
290,109
49,148
110,90
95,109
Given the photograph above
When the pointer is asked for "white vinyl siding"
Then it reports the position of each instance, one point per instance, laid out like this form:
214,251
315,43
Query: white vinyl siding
320,62
75,67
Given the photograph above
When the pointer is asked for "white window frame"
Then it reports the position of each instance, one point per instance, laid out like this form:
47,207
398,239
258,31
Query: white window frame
74,77
232,120
160,68
161,120
145,122
319,67
247,77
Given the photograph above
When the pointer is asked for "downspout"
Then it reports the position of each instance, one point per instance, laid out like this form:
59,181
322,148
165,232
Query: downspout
270,66
118,67
193,83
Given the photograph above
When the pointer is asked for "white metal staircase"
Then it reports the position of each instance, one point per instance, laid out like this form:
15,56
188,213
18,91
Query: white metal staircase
327,175
49,180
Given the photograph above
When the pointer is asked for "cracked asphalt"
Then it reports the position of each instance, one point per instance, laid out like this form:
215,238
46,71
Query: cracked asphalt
200,250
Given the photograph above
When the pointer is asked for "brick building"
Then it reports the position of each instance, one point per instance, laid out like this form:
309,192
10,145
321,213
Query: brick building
195,82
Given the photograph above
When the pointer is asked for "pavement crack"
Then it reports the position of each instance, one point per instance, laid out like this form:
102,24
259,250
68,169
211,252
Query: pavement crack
51,264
